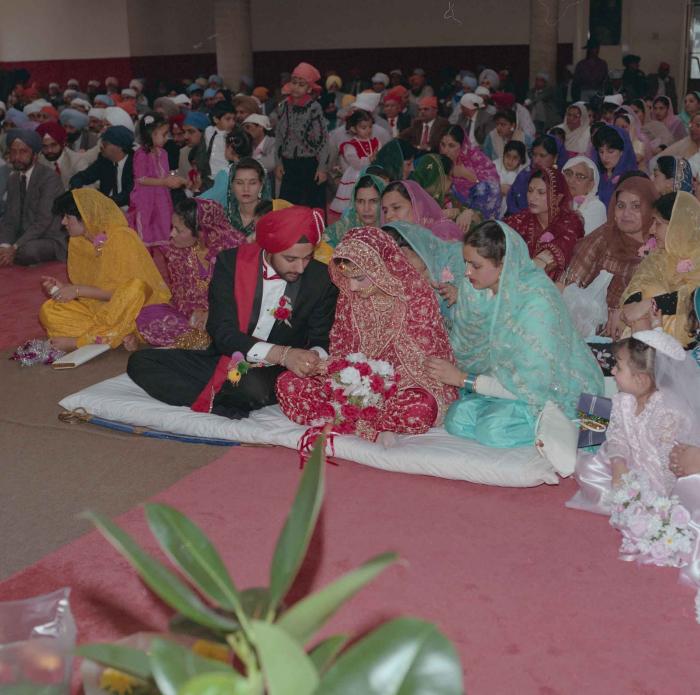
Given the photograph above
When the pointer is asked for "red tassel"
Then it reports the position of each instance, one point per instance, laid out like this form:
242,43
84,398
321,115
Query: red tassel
308,439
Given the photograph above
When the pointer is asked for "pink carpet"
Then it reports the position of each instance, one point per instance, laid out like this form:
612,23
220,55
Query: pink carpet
531,593
20,299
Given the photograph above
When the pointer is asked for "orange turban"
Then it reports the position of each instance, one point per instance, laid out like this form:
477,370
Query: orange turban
280,230
430,102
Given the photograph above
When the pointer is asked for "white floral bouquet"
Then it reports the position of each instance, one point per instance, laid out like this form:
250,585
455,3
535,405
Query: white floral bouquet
356,388
655,528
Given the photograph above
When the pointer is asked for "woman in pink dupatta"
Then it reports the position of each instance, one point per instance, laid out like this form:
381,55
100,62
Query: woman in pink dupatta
387,311
662,111
406,201
200,232
475,180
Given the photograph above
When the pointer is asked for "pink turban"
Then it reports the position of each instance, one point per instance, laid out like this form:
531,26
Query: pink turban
307,72
430,102
280,230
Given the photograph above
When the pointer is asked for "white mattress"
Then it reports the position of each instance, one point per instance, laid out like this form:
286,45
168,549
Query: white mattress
435,453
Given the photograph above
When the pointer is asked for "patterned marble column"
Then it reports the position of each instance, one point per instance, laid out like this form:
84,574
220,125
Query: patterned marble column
544,36
234,46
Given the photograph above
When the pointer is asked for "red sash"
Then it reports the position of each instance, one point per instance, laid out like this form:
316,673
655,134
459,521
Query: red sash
244,284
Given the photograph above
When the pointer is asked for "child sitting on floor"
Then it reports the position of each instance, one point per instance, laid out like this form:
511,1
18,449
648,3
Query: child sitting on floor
645,422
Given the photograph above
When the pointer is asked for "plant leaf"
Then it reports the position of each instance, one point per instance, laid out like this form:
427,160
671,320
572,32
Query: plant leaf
160,579
308,615
285,665
127,659
403,657
190,550
324,652
296,534
174,665
231,683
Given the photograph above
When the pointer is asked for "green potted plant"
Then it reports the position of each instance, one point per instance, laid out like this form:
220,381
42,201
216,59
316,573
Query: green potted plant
272,645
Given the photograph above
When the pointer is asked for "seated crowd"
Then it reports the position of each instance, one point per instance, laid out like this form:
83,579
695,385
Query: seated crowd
460,226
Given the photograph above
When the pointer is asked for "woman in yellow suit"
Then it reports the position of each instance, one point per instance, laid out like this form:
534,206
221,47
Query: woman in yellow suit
112,276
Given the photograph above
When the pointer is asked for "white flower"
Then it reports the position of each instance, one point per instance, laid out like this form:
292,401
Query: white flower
356,357
350,375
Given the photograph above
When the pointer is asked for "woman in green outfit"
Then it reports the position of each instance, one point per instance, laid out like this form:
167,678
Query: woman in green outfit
514,342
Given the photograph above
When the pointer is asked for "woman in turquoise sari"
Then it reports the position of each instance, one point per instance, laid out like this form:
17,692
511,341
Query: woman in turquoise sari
514,342
440,262
364,210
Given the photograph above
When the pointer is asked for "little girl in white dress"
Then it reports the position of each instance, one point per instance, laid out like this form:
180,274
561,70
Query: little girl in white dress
645,423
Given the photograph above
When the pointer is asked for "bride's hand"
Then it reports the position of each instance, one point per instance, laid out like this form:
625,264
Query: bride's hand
443,371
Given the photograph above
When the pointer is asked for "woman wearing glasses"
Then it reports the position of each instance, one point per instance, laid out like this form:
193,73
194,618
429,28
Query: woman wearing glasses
582,177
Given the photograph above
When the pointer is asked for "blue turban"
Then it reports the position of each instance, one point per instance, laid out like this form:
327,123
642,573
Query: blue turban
29,137
209,93
18,118
120,136
74,118
197,119
194,87
105,99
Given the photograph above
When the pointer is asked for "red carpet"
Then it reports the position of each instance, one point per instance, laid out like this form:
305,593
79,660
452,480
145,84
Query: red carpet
20,299
532,594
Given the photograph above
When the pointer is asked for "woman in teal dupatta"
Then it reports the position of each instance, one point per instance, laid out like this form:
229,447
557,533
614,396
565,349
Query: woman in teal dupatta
223,193
440,262
513,338
365,215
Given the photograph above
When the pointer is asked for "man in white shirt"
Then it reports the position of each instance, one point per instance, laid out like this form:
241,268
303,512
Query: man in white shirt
270,303
224,118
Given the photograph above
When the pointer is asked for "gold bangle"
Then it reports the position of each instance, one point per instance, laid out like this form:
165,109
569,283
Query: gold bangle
283,358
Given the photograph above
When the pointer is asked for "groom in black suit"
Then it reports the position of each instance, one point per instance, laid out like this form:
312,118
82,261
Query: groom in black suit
269,301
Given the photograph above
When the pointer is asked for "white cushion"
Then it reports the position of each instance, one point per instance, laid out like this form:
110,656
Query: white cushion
557,439
435,453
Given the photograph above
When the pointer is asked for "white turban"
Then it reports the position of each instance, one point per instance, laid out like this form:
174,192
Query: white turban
115,115
472,101
381,77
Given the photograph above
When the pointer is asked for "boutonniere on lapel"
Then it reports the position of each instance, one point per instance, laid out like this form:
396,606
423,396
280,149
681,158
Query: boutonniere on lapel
283,310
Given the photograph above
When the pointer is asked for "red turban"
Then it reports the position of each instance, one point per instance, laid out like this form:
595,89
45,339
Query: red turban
280,230
392,97
53,130
503,100
51,111
430,102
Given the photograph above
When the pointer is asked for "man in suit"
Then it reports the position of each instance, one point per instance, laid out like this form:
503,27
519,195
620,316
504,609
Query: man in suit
395,116
55,155
269,301
474,118
661,84
427,130
113,169
29,232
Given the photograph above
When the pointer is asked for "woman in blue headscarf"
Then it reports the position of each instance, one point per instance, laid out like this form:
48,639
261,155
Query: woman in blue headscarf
515,344
546,153
365,209
672,175
614,156
440,262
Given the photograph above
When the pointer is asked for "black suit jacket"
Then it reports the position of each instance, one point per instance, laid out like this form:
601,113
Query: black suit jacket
313,299
102,170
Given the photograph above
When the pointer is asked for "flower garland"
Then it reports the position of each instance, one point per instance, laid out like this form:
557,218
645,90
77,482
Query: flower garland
36,351
237,368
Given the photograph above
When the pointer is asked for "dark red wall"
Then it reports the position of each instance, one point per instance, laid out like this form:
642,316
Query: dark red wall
154,68
269,64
